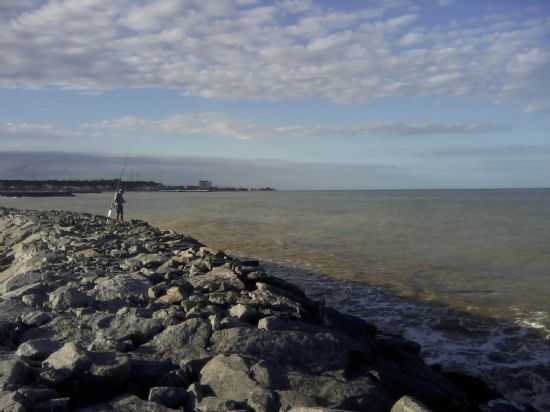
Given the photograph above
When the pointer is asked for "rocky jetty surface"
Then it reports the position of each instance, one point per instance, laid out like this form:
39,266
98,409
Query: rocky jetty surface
97,317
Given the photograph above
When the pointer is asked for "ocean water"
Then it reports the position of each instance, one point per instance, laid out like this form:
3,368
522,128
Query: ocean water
464,272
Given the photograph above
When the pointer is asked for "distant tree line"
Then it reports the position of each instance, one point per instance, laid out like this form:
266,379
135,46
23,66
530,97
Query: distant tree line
78,186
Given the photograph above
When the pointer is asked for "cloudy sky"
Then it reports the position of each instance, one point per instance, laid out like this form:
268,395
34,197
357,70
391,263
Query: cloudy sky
289,93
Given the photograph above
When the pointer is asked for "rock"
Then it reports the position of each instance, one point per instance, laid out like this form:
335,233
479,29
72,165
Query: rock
170,397
314,409
13,372
68,296
30,396
108,371
246,313
187,340
54,405
123,287
37,349
20,280
388,343
214,404
194,394
69,358
173,296
157,290
130,324
87,253
334,391
127,403
228,377
9,402
274,323
408,404
402,373
295,399
219,279
36,318
321,351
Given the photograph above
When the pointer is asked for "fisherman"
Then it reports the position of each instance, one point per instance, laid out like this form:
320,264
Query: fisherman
119,206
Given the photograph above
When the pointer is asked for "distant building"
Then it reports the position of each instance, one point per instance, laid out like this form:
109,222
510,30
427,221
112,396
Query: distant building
205,184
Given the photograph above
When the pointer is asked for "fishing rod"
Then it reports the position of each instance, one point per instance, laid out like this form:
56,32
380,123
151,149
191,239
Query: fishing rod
119,183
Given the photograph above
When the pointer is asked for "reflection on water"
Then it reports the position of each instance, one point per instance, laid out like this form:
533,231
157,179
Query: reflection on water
482,251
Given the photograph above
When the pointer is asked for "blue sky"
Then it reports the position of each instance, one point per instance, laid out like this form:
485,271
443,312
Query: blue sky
301,94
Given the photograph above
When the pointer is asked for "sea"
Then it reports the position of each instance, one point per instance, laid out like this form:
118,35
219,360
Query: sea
466,273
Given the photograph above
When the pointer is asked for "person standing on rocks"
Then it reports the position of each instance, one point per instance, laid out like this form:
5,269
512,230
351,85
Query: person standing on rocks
119,206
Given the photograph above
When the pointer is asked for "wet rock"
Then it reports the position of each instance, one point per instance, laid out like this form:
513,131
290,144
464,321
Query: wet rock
170,397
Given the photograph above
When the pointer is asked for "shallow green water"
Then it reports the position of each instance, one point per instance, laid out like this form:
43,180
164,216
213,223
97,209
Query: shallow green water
481,251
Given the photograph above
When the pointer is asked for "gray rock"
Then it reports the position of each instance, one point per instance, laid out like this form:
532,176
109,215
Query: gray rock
68,296
36,318
37,349
173,296
20,280
246,313
171,397
124,286
408,404
127,403
13,372
339,393
130,324
228,377
9,402
214,404
53,405
187,340
295,399
30,396
314,409
321,351
69,358
219,279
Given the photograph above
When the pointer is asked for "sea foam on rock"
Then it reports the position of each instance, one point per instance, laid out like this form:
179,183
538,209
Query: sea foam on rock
103,317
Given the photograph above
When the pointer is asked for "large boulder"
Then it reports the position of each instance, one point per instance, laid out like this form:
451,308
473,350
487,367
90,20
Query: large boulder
185,341
319,351
37,349
121,287
68,296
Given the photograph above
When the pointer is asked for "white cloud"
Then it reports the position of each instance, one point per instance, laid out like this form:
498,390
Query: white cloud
245,49
197,125
216,124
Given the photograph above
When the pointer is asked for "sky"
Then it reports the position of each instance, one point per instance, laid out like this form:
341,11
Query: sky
295,94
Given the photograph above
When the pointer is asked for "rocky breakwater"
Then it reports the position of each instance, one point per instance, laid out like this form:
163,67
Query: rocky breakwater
97,317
